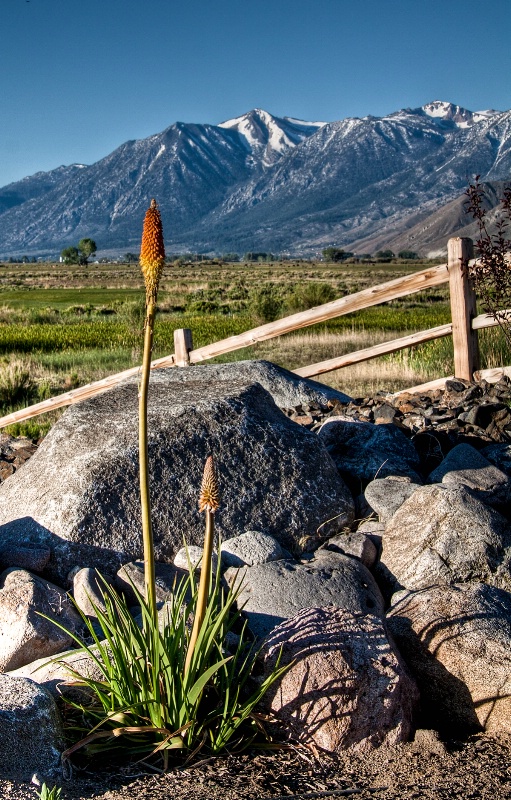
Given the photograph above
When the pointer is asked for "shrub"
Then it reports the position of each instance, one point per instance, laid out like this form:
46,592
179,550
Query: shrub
311,294
266,303
491,272
16,383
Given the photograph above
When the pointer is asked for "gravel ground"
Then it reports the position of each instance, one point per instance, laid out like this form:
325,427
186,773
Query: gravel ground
479,768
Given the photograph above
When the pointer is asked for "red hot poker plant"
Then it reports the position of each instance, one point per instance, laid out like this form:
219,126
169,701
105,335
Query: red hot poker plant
209,500
152,259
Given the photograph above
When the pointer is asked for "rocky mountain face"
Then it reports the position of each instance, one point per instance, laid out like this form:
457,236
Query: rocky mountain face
260,182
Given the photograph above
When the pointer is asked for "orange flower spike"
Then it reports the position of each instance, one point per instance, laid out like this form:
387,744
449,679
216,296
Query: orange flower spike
152,251
209,499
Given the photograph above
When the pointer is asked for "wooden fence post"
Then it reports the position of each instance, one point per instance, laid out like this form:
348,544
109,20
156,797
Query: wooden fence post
182,345
463,309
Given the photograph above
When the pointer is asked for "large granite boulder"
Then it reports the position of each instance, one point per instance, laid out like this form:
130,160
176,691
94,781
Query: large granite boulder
31,736
347,687
442,535
26,635
287,389
79,494
277,590
456,641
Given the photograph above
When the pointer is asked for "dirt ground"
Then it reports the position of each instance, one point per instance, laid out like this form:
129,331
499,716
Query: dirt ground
426,768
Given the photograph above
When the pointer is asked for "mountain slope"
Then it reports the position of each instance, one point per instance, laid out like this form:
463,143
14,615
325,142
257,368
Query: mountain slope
359,176
263,182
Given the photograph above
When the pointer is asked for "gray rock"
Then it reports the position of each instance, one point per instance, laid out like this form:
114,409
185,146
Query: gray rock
386,495
58,676
132,575
277,590
192,555
456,641
251,547
499,455
348,688
374,530
357,545
444,535
79,494
88,590
371,527
287,389
363,452
465,466
25,635
33,559
31,737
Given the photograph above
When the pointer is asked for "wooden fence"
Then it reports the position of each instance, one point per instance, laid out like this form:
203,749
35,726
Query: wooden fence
463,329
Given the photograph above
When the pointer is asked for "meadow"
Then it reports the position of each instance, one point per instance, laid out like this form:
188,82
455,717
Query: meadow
64,326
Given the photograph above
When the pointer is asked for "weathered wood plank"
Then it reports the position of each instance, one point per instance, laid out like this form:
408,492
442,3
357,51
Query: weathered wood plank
391,346
382,293
487,320
77,395
490,375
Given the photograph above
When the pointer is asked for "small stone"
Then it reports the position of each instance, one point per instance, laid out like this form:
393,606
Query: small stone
192,556
386,495
303,419
132,574
251,547
6,470
427,742
385,414
357,545
88,590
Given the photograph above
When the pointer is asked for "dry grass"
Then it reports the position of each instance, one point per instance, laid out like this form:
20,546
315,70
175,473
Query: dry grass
387,373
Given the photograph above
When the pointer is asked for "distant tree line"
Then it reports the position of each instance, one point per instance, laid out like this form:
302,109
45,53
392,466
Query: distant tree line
81,254
338,254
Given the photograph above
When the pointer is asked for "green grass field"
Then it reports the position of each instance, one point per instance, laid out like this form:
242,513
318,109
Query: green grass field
61,327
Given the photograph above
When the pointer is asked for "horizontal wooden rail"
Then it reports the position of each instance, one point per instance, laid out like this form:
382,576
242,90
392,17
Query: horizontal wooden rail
373,352
392,346
391,290
490,375
77,395
424,279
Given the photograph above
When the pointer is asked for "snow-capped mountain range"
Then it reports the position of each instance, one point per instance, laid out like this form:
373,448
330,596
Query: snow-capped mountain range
260,182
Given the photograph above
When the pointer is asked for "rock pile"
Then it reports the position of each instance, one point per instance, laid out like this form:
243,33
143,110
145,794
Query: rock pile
375,546
13,454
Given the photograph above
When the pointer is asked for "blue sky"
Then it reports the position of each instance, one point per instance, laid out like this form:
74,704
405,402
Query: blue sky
80,77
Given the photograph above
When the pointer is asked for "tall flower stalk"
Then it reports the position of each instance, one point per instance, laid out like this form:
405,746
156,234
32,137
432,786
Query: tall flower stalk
152,259
209,501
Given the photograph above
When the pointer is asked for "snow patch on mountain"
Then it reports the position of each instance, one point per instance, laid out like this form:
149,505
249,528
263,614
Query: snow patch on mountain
461,117
269,137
